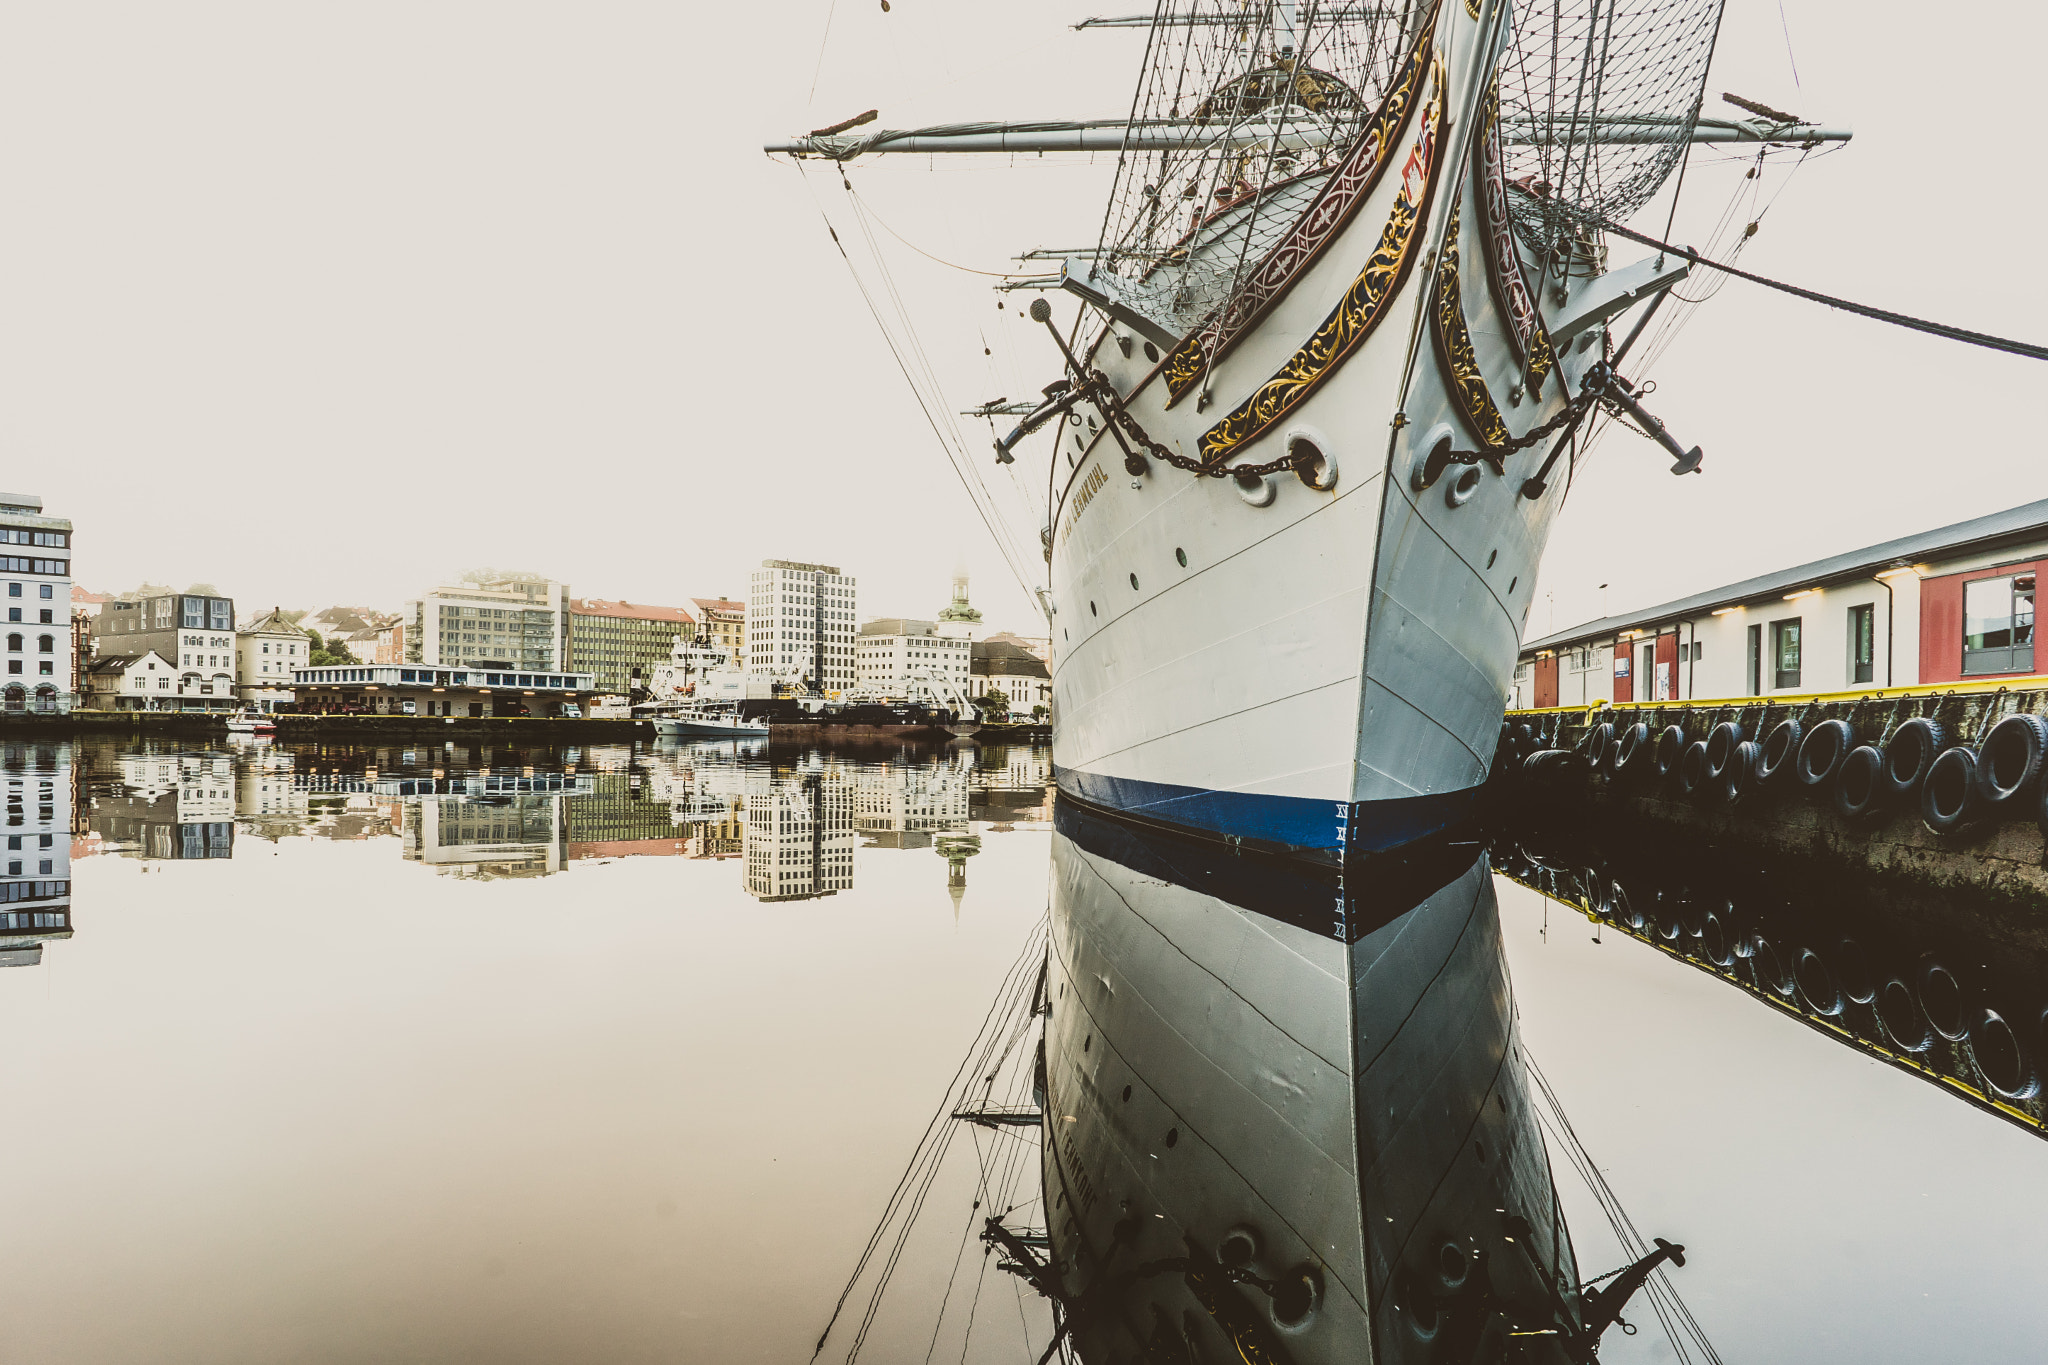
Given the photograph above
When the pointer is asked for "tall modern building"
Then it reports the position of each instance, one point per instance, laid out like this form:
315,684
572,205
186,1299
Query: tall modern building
35,557
621,643
513,623
802,621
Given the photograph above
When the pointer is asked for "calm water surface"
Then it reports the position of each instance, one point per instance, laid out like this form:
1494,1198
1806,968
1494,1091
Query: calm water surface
617,1054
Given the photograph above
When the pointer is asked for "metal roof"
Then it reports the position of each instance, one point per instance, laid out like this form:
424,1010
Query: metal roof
1980,532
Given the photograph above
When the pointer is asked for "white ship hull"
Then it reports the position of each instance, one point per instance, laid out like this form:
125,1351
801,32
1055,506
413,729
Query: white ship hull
1325,674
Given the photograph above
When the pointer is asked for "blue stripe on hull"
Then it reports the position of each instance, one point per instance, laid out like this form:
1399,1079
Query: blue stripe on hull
1326,831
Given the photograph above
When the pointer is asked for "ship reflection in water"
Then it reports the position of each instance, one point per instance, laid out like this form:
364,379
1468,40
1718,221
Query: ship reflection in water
1294,1124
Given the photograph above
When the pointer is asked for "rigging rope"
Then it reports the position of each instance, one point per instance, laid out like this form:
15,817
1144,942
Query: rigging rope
1906,320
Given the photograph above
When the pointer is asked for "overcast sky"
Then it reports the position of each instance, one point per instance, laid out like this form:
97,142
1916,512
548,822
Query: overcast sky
330,303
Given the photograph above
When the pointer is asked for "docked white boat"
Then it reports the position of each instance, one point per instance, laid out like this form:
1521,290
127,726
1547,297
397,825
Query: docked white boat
706,722
251,723
1347,325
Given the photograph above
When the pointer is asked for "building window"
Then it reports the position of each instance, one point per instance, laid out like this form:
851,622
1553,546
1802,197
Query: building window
1785,653
1998,625
45,644
1863,643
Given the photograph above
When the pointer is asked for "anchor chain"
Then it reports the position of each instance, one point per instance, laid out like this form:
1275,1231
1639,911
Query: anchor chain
1104,395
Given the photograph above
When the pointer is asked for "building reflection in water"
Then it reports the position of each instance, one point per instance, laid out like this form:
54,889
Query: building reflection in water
35,895
791,819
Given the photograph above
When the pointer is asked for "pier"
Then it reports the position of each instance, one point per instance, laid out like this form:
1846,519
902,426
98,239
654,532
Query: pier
1938,787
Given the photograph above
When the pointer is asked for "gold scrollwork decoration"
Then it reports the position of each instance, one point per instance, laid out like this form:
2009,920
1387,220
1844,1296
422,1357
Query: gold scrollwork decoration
1334,206
1511,291
1454,350
1360,309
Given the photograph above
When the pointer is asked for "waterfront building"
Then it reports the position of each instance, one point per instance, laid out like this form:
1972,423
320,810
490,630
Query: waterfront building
722,625
194,629
268,650
391,689
512,623
35,893
131,682
35,564
622,643
1038,646
390,644
888,651
1955,604
1015,672
801,623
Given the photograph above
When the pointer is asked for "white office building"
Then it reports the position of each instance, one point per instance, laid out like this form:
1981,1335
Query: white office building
802,623
893,650
35,564
513,624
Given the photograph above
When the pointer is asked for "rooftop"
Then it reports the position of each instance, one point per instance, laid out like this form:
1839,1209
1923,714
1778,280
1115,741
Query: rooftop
1979,534
629,611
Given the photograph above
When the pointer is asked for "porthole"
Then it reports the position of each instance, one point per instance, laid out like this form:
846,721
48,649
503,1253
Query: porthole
1091,609
1172,1137
1490,558
1087,1042
1181,555
1512,581
1315,468
1134,582
1127,1094
1151,352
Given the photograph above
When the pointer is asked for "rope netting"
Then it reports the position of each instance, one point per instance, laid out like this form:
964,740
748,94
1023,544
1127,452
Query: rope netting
1272,93
1598,101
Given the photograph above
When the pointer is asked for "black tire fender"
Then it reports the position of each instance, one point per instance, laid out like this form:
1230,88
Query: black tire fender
1821,752
1594,745
2009,759
1721,742
1780,748
1692,768
1948,796
1910,752
1738,779
1631,749
1671,748
1859,784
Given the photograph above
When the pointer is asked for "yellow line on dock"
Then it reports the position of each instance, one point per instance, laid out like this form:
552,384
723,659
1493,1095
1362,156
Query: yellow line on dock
2033,683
